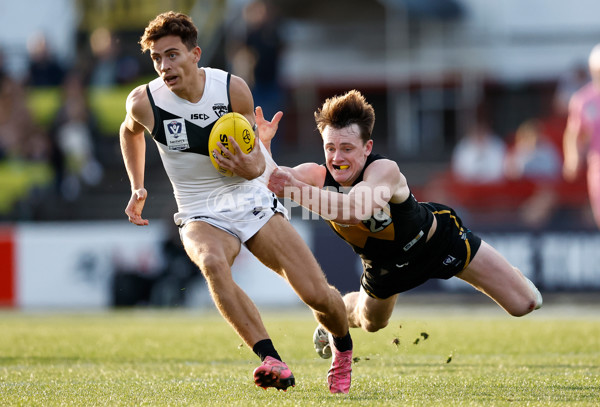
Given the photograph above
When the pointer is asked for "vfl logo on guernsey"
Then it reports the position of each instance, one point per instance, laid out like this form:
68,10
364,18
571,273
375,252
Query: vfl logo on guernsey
175,128
176,134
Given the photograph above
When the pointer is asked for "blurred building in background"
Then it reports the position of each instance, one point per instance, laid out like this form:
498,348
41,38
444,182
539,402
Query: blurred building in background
433,70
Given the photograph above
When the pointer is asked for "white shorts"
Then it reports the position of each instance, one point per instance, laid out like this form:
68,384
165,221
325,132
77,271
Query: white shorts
240,209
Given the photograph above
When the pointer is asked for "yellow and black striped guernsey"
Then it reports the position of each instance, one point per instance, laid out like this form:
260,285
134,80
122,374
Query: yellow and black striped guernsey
398,233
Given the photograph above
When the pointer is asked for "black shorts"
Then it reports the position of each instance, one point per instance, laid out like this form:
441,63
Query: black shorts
448,252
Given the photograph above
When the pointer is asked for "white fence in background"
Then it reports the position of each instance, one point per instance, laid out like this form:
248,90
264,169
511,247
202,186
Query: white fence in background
71,265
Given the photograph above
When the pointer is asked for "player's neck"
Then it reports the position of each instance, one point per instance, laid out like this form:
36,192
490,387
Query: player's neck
193,90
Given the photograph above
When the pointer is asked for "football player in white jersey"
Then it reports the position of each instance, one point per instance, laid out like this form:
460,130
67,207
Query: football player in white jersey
178,109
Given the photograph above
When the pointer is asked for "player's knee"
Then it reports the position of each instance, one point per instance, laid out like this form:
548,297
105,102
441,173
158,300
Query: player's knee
373,325
526,304
522,309
212,266
319,297
529,298
532,300
318,300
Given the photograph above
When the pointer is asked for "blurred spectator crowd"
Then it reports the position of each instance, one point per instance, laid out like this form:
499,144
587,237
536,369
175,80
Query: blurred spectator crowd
516,179
55,160
516,176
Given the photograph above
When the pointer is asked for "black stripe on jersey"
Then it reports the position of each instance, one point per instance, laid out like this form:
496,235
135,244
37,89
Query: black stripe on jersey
197,136
228,95
154,109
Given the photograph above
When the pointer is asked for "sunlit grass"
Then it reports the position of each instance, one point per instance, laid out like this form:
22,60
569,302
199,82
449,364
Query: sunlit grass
193,358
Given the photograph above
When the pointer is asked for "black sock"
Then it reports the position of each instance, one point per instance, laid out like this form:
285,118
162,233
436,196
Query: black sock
265,348
344,343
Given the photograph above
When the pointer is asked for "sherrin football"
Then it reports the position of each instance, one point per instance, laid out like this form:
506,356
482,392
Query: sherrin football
231,125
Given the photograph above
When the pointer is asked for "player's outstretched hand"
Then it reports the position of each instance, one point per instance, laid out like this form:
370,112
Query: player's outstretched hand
135,207
266,130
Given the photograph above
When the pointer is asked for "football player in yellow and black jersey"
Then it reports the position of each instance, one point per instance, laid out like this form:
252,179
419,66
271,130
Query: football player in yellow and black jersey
402,242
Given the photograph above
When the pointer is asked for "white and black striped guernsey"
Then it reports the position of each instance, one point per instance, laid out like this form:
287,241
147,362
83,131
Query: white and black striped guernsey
181,131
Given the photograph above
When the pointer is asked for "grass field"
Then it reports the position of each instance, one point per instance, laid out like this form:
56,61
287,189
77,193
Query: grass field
472,355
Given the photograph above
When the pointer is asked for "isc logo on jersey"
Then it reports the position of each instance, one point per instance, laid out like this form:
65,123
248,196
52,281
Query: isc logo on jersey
199,116
176,134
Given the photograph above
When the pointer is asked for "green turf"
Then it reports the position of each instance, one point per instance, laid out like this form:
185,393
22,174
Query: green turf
182,358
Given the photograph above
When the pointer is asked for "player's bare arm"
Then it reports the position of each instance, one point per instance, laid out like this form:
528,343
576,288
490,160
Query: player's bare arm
572,140
386,176
382,182
284,180
133,148
303,184
326,203
310,173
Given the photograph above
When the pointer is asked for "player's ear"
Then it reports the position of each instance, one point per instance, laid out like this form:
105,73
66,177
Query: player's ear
369,147
197,51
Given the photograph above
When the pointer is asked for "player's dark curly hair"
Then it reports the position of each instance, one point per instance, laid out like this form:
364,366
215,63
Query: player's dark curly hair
170,23
343,110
